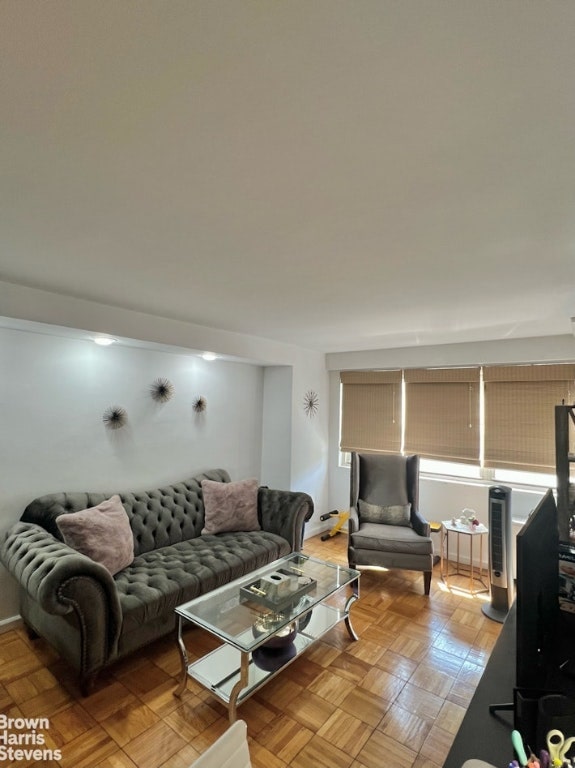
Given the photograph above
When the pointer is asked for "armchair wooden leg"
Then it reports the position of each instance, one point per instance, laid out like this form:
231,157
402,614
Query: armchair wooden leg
426,581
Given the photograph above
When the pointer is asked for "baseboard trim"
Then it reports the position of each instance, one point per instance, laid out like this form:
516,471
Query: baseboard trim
316,528
13,622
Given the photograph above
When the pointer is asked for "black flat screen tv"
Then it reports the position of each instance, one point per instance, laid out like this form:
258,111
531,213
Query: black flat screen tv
537,594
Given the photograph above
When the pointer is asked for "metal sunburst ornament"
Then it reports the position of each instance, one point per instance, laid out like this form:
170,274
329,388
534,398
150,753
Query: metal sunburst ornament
115,417
310,403
200,404
162,390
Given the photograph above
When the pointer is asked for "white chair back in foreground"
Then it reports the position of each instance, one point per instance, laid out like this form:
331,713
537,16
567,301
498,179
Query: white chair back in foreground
230,750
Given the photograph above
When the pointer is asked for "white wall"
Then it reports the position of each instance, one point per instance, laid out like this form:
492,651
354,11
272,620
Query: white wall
541,349
309,437
309,459
54,391
277,417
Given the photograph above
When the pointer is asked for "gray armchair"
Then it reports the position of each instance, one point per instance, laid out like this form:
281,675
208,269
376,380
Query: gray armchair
385,526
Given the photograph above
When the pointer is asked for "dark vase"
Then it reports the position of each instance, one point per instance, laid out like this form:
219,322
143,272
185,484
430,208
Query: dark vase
272,659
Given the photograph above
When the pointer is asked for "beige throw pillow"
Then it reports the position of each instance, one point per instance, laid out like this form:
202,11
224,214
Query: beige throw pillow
103,533
230,506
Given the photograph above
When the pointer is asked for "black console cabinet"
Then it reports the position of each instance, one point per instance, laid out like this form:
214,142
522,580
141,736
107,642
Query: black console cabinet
487,736
482,735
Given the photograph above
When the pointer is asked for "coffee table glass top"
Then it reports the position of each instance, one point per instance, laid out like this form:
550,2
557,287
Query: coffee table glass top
250,610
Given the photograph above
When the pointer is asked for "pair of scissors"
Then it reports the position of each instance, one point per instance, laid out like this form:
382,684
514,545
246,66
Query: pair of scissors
558,747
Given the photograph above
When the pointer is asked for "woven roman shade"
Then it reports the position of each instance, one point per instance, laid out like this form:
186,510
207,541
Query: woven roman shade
442,413
371,411
520,405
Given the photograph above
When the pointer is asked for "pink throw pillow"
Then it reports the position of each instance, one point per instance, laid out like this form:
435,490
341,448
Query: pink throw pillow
103,533
230,506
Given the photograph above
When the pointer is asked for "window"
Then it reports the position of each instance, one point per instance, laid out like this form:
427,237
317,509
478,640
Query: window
451,469
442,413
371,411
520,405
494,423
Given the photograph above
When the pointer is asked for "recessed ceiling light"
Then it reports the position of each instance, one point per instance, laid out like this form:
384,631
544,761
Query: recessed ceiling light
104,341
209,356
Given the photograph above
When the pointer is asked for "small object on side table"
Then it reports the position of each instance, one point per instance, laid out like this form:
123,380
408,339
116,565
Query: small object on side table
435,527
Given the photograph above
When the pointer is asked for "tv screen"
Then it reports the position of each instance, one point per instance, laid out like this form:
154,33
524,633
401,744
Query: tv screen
537,593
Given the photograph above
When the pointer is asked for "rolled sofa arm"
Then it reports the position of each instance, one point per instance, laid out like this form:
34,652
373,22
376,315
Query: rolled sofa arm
285,513
50,572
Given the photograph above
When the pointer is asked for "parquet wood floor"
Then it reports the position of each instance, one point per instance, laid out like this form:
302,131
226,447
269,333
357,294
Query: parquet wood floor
394,698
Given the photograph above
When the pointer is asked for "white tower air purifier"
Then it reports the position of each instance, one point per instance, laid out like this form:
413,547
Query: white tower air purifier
500,554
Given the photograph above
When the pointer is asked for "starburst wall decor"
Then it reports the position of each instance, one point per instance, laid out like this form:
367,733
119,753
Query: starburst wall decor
310,403
162,390
115,417
200,404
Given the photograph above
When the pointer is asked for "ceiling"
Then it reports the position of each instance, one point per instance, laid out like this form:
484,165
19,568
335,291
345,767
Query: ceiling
337,175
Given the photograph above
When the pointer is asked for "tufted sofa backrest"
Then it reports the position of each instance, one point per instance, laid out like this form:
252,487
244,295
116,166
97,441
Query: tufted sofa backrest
158,518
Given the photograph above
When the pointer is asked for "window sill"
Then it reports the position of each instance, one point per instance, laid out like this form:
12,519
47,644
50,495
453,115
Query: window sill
485,483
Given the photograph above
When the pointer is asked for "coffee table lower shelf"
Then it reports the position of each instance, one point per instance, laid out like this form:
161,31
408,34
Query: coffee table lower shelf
233,675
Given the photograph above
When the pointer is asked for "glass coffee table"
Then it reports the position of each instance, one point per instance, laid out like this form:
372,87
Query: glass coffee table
265,620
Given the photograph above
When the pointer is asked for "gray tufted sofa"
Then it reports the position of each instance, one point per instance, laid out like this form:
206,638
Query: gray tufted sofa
93,619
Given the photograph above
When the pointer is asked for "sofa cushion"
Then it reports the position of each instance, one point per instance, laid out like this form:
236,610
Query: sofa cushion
102,533
230,506
392,538
158,581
